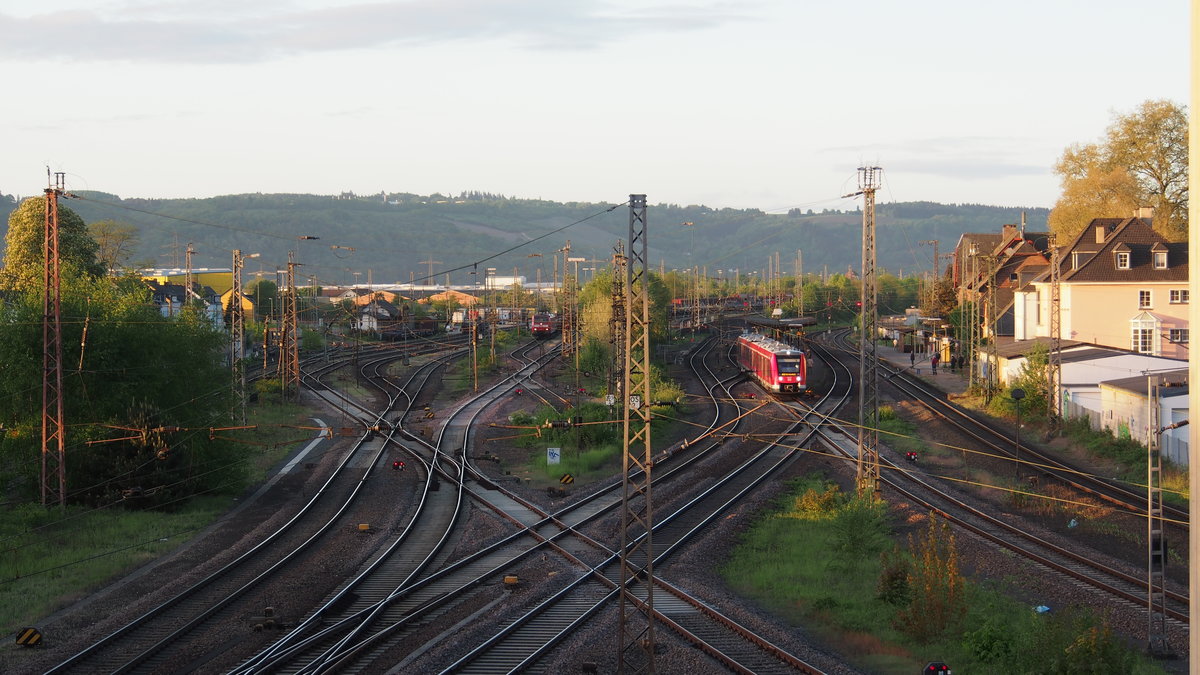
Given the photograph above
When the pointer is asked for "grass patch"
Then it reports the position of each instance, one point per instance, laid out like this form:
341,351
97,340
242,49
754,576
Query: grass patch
1131,455
824,560
899,433
50,558
581,464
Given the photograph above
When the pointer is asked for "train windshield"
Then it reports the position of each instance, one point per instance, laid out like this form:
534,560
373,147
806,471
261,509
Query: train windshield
789,365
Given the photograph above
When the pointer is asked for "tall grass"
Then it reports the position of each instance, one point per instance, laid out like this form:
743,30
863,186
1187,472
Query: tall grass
52,558
1131,455
816,560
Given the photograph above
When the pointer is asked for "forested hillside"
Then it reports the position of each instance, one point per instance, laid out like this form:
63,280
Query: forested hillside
394,240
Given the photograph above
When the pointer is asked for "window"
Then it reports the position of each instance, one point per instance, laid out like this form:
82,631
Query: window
1179,336
1144,333
1180,296
1160,260
1122,260
1143,340
1144,300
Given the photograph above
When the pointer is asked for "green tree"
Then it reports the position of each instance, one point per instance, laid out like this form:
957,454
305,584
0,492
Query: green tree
1142,161
942,300
117,241
122,393
24,254
266,297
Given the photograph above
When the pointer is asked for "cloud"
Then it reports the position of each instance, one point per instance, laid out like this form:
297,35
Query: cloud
955,157
220,31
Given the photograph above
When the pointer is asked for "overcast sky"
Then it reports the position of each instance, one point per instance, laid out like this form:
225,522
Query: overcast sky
757,103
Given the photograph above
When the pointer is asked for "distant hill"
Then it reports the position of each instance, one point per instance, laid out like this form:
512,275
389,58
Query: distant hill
395,239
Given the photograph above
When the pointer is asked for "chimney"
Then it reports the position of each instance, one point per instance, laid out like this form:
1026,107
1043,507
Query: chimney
1144,212
1008,233
1101,232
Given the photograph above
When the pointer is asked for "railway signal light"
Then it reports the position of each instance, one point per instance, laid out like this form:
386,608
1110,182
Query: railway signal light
910,456
398,465
936,668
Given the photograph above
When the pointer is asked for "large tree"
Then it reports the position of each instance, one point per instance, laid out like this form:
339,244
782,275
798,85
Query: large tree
25,245
132,377
116,240
1142,161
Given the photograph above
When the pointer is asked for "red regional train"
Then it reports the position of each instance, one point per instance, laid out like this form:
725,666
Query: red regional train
779,368
543,325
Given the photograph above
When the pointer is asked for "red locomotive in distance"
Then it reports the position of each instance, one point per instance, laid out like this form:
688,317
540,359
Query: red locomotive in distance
544,325
779,368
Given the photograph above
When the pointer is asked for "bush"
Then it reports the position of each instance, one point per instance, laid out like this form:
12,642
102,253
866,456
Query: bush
895,568
938,591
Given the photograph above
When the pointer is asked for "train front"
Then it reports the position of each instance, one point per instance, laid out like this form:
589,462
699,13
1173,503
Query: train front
790,371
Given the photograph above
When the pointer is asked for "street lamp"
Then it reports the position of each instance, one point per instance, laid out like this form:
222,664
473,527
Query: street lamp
1017,394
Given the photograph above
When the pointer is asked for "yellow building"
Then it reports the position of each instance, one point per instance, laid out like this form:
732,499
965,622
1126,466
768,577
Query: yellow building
219,279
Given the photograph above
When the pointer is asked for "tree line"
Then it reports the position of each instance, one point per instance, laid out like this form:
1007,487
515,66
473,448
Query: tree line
140,390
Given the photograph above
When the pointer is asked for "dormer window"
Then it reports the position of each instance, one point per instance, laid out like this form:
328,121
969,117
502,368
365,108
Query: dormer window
1160,260
1122,260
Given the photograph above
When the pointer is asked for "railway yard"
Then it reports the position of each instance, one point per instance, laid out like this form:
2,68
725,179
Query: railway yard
470,562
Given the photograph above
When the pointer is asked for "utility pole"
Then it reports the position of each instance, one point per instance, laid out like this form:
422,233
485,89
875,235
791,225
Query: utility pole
973,318
778,282
991,318
637,520
289,348
430,262
237,336
936,258
695,299
54,452
868,383
1054,363
800,279
616,377
187,277
569,315
1156,543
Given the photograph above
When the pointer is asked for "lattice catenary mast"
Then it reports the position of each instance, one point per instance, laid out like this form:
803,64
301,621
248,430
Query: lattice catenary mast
289,347
637,546
54,453
237,337
616,378
868,369
1054,365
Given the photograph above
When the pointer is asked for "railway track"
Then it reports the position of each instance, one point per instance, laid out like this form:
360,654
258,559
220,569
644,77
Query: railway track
525,640
1000,442
152,640
1117,584
374,596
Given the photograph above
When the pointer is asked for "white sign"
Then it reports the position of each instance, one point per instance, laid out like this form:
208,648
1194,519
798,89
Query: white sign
553,455
635,402
610,400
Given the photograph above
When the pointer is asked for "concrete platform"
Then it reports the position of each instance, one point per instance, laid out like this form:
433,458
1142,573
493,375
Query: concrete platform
953,382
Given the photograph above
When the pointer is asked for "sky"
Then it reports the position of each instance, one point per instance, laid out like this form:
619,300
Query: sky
769,104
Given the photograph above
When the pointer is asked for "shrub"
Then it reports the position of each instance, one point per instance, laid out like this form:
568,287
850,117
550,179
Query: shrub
895,568
938,591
